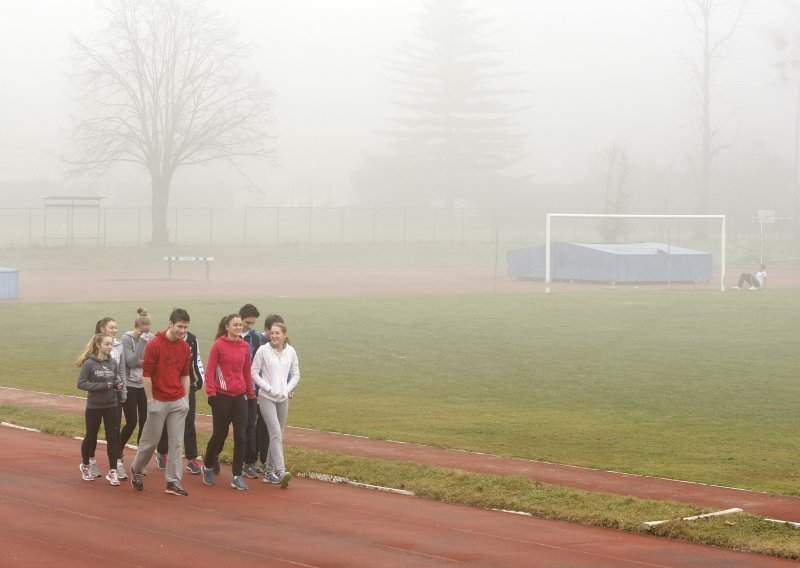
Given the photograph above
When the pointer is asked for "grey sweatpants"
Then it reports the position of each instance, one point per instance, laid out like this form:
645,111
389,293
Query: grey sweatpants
161,414
274,415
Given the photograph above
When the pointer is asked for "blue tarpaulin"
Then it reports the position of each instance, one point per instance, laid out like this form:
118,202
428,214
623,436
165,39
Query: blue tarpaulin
634,262
9,283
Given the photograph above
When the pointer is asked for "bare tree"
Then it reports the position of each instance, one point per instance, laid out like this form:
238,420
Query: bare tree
162,87
716,22
617,199
787,44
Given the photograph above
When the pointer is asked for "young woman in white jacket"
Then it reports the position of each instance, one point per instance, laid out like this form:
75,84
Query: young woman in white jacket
273,363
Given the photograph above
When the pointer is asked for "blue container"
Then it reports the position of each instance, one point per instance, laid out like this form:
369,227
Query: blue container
9,283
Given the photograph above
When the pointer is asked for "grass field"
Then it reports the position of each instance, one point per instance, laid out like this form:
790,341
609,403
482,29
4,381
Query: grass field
683,384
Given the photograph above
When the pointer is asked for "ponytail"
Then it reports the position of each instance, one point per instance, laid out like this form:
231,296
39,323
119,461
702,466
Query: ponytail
92,348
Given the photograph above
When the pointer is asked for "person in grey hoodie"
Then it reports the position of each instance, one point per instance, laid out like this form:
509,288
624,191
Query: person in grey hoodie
135,405
99,377
109,326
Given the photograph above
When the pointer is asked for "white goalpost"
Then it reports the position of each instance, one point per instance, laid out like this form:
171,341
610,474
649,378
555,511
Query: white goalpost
550,216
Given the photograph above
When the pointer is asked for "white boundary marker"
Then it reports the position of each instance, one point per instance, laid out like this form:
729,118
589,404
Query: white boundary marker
520,513
651,524
345,481
790,523
16,427
547,280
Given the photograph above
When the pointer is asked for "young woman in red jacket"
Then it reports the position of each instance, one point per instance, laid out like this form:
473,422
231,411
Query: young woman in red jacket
229,386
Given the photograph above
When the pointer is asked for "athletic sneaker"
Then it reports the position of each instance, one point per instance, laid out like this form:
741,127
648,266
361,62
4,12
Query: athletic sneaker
261,467
208,475
285,477
94,469
249,470
238,483
136,481
121,473
272,477
161,461
86,473
193,467
111,476
174,488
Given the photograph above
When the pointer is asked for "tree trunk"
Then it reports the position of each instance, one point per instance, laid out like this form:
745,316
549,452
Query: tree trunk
160,199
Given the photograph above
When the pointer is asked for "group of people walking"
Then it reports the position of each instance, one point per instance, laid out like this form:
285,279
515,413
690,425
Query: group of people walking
152,380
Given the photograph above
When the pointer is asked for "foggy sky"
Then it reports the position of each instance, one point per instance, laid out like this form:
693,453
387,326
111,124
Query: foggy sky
613,71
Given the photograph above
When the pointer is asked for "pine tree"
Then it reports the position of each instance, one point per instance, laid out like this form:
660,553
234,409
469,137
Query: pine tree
453,138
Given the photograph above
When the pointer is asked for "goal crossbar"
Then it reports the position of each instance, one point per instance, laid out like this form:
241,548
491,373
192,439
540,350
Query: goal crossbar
549,216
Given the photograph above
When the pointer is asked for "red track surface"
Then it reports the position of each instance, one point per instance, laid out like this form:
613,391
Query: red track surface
769,505
50,516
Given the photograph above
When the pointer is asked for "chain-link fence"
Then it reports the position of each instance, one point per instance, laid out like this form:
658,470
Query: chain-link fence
757,238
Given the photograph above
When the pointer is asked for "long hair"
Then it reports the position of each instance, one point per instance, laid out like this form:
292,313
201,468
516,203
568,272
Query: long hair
223,324
101,324
142,318
282,326
92,348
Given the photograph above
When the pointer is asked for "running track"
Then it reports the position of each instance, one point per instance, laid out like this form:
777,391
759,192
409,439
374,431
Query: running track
51,517
768,505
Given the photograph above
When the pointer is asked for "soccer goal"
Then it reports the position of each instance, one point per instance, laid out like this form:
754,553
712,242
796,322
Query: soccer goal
550,217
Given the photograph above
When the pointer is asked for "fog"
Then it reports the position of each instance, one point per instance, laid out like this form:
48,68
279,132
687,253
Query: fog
589,75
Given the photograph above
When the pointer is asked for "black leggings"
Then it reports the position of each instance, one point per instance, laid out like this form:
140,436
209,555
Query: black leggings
257,435
135,409
110,419
228,409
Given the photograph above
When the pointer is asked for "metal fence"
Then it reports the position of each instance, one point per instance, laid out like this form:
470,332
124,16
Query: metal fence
276,226
267,226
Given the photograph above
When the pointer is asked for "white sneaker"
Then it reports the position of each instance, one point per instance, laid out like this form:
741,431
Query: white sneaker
121,473
111,476
94,469
86,473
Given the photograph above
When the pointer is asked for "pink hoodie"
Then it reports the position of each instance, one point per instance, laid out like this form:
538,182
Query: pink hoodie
229,361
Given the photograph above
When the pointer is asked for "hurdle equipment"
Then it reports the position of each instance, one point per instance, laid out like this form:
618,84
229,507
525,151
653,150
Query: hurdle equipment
178,259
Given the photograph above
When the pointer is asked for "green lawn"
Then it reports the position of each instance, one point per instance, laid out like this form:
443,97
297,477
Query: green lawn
692,385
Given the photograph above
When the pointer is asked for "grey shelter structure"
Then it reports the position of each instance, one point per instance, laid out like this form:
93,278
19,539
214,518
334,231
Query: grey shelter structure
617,263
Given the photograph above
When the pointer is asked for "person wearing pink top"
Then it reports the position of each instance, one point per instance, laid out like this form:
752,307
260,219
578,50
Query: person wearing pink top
229,386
